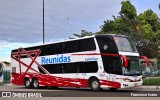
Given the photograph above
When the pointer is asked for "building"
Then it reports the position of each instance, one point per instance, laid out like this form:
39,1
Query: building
5,72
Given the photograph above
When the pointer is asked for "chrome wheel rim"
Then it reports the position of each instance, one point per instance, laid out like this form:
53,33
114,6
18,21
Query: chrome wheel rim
95,84
36,83
27,83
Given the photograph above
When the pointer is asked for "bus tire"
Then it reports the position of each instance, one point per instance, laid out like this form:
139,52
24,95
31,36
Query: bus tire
35,83
112,89
27,83
95,85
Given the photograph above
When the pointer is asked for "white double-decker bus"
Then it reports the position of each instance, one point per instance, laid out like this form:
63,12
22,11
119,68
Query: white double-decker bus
99,61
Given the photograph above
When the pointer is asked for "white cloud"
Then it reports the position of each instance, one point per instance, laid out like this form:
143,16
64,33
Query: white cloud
143,5
21,20
5,59
5,49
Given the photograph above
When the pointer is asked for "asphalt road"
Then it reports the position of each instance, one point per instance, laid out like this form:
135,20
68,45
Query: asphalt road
60,93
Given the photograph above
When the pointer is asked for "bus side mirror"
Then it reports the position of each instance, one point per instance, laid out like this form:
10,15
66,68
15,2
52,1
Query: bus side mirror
146,59
125,64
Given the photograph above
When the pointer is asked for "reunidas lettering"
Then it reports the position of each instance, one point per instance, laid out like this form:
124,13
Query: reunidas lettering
54,60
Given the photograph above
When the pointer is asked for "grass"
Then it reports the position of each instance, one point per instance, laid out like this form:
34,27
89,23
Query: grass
151,81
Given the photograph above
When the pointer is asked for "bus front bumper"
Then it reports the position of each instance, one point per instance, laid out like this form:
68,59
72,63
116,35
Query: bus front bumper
131,84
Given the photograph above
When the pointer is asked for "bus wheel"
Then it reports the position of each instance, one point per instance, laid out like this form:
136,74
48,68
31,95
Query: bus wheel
35,83
95,85
27,83
113,89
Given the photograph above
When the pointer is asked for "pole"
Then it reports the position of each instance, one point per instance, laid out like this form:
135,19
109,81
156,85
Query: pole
43,25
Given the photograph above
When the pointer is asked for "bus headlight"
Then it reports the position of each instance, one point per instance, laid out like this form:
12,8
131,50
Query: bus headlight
141,79
126,80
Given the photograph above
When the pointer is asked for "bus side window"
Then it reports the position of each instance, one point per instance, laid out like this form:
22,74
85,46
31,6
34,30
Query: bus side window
40,70
73,46
58,49
78,69
87,44
87,67
106,45
50,49
63,69
112,46
70,68
64,48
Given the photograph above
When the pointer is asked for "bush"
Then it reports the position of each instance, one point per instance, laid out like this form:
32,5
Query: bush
151,81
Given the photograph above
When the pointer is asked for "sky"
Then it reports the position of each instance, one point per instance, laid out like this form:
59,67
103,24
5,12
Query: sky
21,20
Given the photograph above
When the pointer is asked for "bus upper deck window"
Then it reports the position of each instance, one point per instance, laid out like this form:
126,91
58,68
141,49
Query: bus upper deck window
105,47
124,44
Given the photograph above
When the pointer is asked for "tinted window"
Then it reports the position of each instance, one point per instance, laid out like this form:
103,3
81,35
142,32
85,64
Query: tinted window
41,71
72,46
88,67
124,44
64,47
57,68
87,44
70,68
107,44
111,64
78,67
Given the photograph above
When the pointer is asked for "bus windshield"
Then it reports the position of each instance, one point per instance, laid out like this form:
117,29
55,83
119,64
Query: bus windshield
133,68
124,44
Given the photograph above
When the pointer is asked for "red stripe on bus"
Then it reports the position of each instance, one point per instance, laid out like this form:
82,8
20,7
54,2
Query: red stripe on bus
102,54
48,80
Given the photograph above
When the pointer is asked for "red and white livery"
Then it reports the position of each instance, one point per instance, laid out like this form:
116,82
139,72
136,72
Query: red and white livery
99,61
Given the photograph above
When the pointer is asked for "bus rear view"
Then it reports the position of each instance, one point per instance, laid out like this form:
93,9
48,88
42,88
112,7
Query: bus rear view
98,61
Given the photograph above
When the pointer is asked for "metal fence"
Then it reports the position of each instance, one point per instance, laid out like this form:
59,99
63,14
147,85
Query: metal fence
151,74
152,71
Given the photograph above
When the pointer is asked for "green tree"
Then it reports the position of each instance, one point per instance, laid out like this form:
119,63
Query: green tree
83,33
144,29
108,27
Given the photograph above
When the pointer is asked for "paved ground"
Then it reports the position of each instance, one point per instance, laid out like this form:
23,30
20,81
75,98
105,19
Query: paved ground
61,93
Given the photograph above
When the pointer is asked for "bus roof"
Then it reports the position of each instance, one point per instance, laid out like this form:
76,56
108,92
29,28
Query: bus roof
67,40
118,35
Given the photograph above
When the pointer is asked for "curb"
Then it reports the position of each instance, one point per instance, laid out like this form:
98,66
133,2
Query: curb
1,84
141,87
149,87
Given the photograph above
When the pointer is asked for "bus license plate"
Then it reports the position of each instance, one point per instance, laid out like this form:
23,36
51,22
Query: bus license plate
135,84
